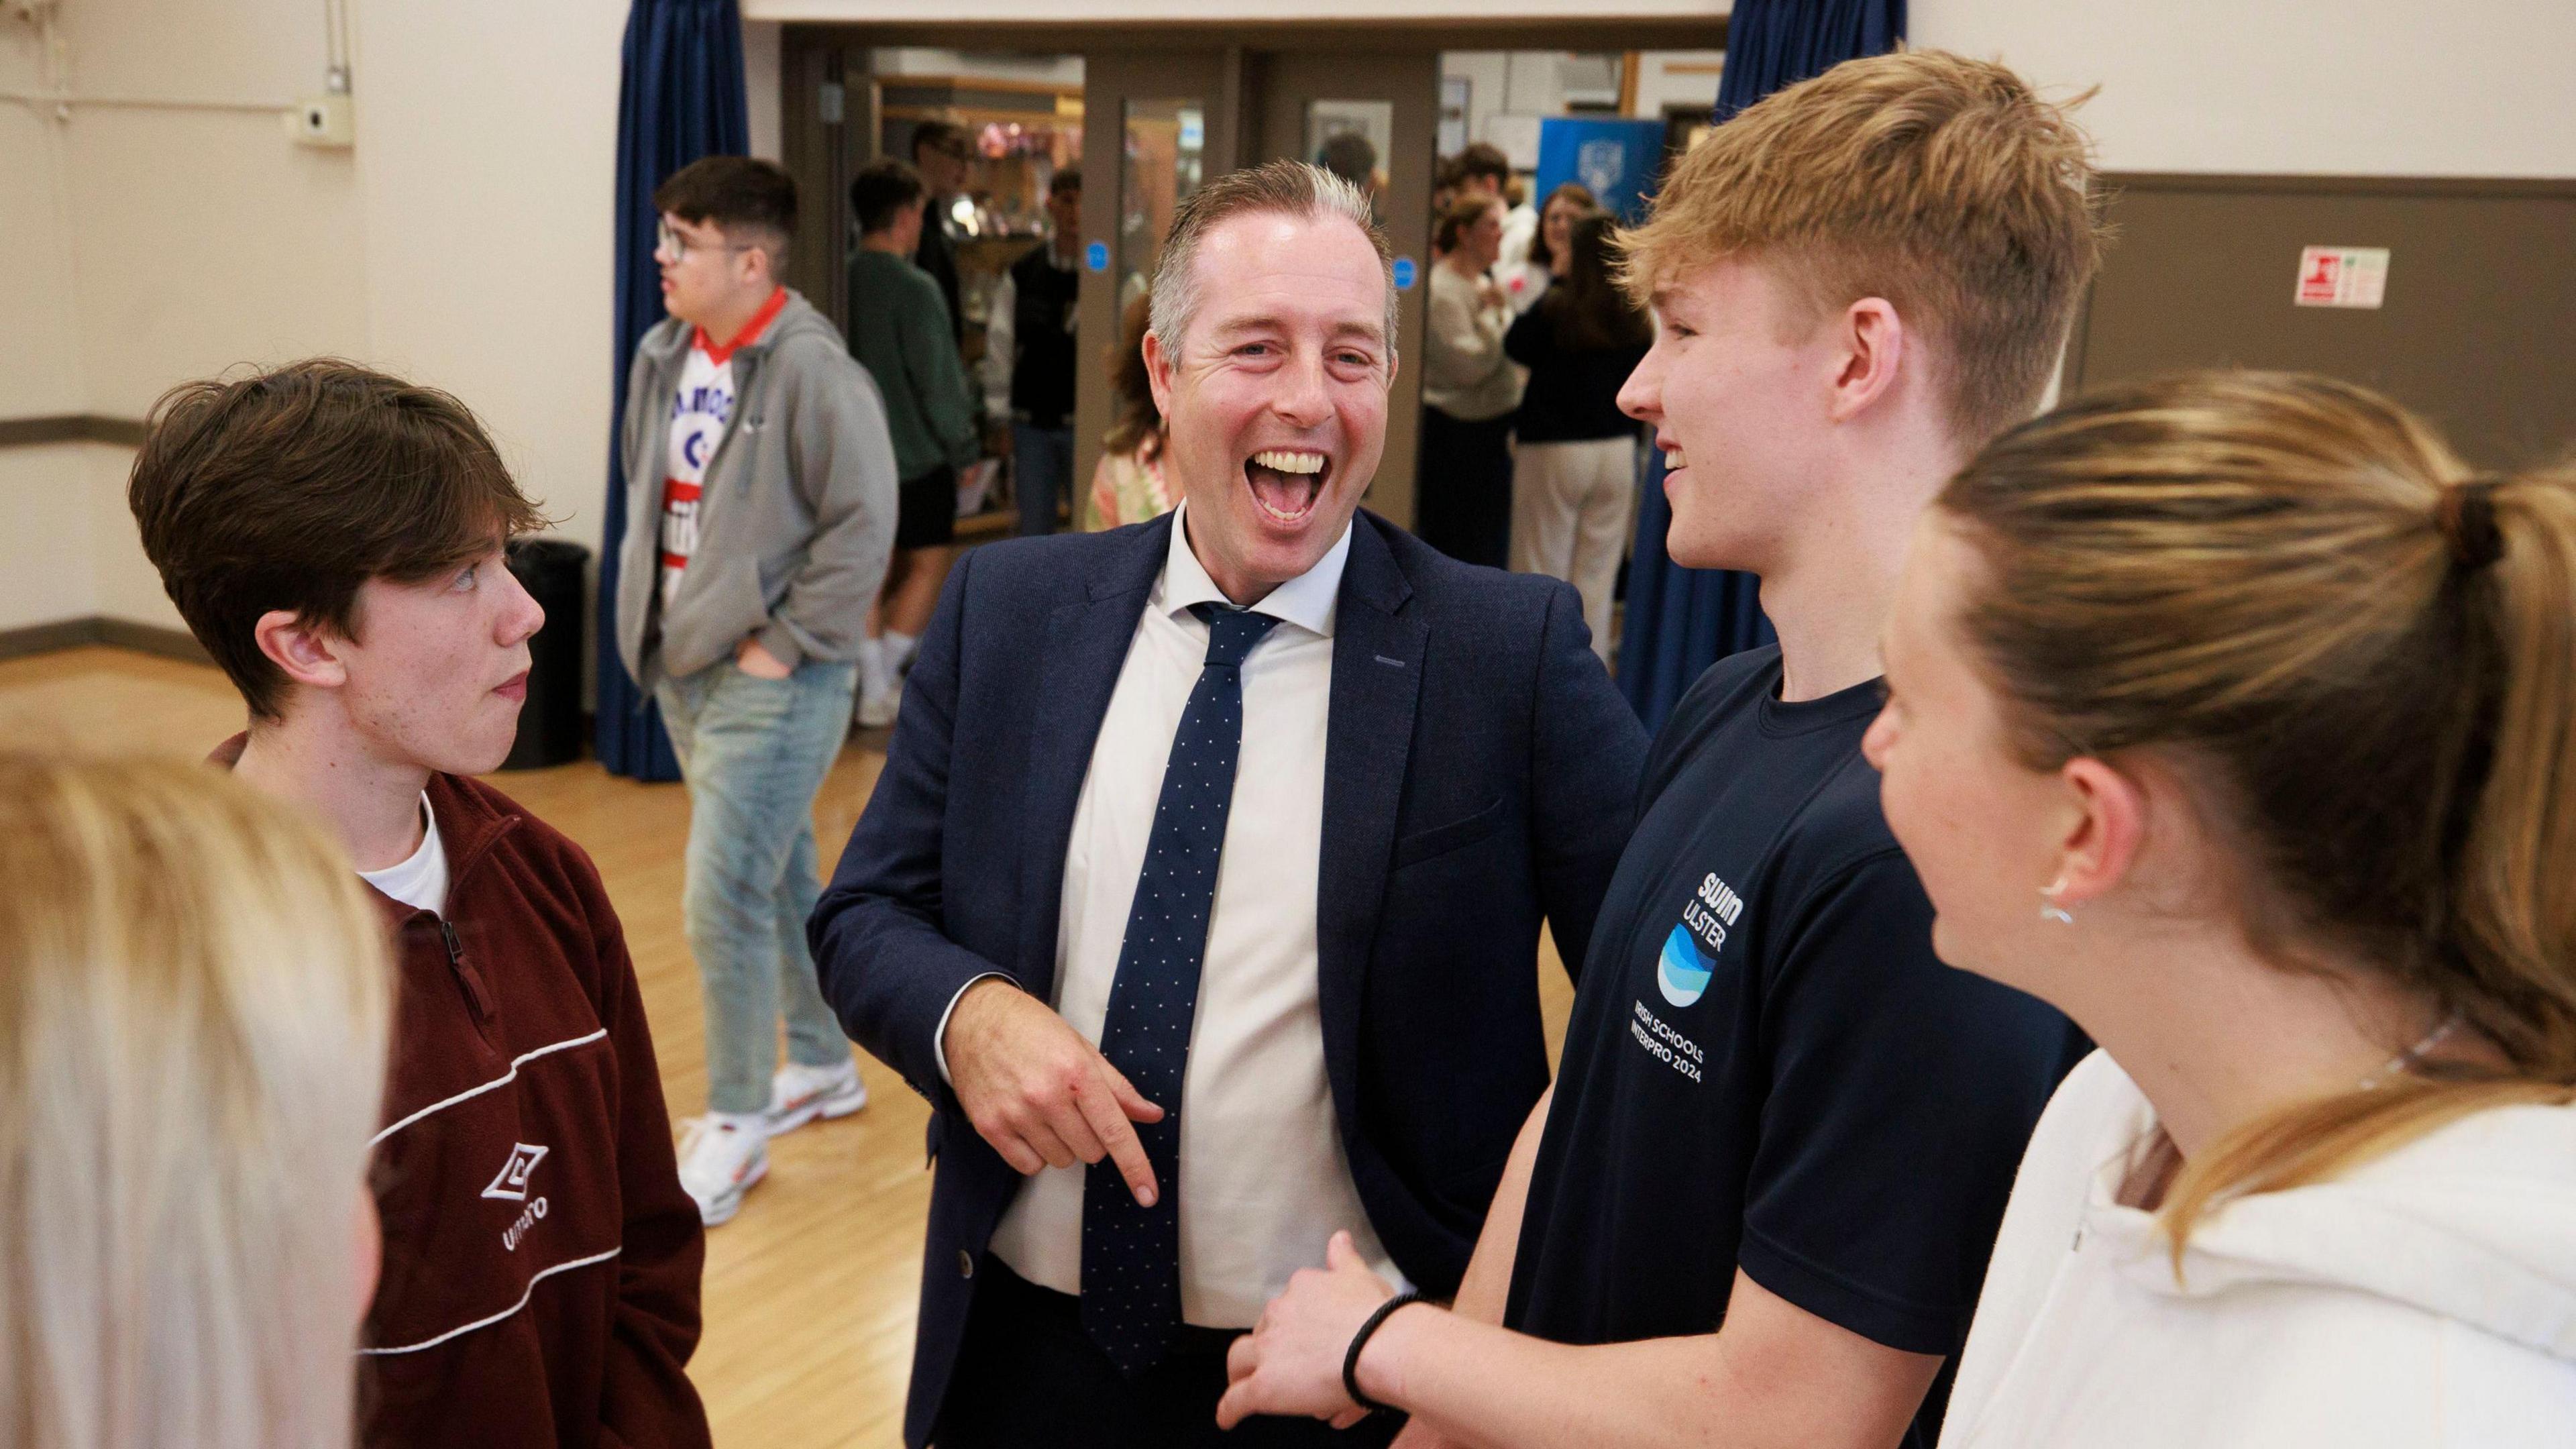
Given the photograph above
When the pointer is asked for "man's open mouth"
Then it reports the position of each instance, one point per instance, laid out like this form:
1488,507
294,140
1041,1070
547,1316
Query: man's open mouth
1286,482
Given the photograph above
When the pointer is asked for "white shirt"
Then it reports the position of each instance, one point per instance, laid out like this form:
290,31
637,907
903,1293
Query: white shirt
2424,1298
1263,1179
420,880
701,409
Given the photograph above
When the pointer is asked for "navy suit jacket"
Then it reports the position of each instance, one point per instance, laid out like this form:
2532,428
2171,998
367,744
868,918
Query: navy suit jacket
1479,775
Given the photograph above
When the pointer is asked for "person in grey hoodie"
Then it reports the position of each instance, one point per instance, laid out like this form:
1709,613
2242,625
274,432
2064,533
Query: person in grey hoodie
746,581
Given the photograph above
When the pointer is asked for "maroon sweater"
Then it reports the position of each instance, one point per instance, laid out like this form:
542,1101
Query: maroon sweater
541,1260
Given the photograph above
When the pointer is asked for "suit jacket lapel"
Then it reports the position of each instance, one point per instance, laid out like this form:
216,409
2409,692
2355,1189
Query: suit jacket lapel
1086,644
1378,648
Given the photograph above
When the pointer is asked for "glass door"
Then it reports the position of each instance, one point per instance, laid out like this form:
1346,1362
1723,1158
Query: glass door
1340,109
1160,127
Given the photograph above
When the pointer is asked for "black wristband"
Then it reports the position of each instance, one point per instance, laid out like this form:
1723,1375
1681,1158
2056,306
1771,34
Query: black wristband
1359,1340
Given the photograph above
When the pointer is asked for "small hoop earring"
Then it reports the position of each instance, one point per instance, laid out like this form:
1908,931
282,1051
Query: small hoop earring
2050,910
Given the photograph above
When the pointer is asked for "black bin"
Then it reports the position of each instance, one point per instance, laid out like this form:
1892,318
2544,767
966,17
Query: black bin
550,732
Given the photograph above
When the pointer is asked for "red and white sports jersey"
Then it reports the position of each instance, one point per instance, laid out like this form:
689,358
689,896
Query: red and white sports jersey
701,408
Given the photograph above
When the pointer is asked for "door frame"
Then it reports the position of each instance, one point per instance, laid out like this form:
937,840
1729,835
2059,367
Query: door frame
826,135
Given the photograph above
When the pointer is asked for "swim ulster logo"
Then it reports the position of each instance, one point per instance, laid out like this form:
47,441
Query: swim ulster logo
1683,972
1690,952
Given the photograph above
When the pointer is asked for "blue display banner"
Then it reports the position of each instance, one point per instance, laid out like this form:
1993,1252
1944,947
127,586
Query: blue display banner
1618,160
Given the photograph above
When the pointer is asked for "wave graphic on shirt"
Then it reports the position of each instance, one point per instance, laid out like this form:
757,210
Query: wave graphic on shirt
1683,972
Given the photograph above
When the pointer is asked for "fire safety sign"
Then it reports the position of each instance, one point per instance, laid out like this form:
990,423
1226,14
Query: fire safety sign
2343,276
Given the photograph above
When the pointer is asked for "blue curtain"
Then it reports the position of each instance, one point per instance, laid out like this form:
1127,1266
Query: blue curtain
1680,621
681,98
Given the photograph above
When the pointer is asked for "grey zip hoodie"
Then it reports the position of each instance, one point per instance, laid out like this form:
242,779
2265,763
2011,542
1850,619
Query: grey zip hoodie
799,504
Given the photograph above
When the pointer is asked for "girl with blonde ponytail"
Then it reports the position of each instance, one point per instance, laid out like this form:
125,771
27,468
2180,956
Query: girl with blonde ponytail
193,1007
2232,715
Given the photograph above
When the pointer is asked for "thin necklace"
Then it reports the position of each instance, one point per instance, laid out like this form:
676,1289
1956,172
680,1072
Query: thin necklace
2411,1058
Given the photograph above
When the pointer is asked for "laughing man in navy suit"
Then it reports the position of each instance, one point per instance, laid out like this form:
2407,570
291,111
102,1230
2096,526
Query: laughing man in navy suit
1201,892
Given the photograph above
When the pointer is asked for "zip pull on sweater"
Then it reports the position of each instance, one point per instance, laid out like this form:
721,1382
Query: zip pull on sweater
466,975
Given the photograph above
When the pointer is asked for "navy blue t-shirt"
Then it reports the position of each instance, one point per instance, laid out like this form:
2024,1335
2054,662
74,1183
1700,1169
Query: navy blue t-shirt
1767,1068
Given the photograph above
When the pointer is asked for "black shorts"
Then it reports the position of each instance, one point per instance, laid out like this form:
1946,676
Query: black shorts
926,512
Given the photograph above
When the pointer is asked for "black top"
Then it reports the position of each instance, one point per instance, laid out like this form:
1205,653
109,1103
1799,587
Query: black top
937,255
1044,298
1766,1067
1573,394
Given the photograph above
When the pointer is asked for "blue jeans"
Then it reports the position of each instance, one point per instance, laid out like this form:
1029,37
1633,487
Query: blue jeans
1041,466
754,752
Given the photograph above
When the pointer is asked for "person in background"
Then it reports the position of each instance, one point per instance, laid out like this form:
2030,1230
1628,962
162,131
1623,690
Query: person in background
1463,492
775,518
1525,284
1352,157
1574,470
1756,1205
2231,713
336,539
1444,190
1029,351
1201,894
1128,485
941,154
1483,170
899,331
194,1004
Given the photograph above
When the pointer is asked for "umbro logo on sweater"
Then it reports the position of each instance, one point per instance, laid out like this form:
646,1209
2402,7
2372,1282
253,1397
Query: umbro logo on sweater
513,1181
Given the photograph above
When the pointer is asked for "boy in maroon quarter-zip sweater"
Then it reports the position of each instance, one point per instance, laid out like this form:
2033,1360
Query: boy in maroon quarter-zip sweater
334,538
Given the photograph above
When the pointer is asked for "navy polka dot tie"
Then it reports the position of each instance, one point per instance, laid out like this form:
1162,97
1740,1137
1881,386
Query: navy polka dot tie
1131,1256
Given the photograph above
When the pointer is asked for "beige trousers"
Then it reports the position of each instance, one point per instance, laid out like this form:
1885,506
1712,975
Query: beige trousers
1573,507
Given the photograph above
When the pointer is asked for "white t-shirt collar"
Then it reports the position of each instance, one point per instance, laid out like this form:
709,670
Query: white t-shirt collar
419,880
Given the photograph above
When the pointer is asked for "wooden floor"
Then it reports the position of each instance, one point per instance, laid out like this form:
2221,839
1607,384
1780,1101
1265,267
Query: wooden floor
809,1293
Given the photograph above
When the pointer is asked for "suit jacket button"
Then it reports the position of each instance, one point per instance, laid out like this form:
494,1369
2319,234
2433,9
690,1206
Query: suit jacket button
965,1264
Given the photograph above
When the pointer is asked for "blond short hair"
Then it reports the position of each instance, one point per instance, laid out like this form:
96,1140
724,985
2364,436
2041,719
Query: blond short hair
193,1015
1939,183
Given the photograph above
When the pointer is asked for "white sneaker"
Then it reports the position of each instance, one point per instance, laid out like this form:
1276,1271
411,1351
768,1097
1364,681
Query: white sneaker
721,1156
799,1094
876,707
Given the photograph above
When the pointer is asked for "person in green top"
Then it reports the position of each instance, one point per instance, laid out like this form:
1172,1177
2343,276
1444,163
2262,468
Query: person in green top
901,332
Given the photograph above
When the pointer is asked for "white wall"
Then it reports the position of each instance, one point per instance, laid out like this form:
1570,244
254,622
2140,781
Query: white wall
487,138
2364,87
169,229
45,569
1676,78
761,61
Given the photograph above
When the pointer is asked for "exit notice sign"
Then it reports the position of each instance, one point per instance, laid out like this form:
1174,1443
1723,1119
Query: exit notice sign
2342,277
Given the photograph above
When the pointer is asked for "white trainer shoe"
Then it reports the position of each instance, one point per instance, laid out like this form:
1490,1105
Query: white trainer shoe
721,1156
877,708
799,1094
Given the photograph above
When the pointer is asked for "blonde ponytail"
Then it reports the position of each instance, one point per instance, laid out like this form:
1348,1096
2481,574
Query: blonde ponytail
2366,657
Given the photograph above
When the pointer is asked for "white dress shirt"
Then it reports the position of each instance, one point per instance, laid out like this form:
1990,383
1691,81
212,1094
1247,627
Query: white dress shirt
1263,1180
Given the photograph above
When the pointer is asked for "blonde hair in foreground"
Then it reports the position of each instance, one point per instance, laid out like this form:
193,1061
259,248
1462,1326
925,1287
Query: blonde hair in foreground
2364,660
193,1008
1941,184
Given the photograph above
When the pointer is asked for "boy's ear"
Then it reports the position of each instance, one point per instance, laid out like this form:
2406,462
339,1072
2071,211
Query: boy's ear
306,652
1871,340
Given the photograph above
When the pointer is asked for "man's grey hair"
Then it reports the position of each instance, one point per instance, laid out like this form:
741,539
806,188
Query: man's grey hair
1291,188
